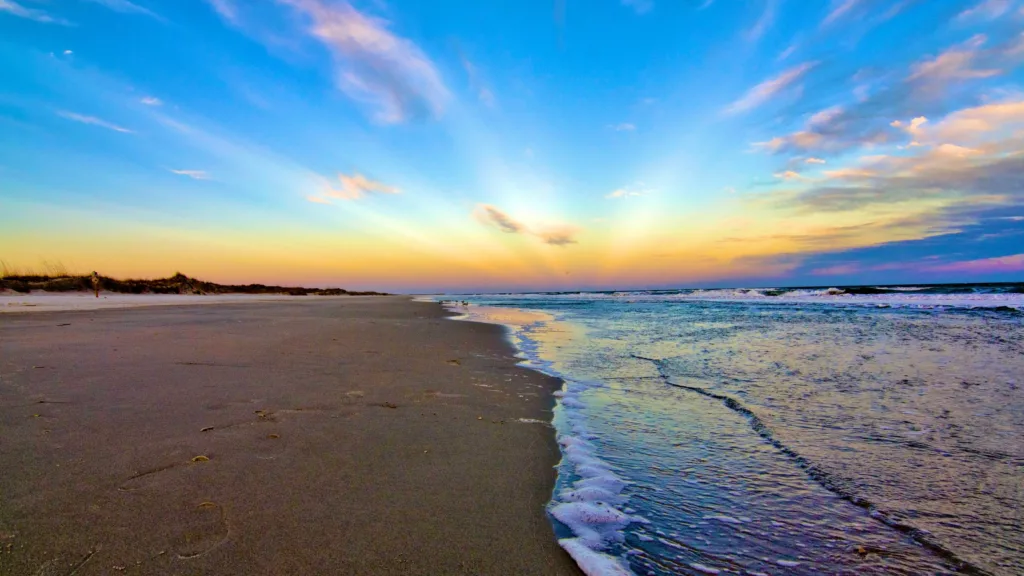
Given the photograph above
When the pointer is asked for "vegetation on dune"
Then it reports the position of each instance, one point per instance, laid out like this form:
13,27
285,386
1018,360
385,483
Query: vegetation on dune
54,277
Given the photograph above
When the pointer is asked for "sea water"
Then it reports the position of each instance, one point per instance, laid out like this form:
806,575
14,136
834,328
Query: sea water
843,431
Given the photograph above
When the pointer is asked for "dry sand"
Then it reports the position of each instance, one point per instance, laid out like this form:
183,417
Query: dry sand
54,301
332,436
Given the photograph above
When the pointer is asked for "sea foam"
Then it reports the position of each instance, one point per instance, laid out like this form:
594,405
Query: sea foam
594,563
590,508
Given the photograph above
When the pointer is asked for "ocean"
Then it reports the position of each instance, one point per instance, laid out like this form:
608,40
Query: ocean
850,430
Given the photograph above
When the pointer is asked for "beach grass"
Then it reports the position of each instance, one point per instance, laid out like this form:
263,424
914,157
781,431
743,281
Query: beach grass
55,277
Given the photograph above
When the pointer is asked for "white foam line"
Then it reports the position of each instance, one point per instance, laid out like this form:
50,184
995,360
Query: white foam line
589,508
904,298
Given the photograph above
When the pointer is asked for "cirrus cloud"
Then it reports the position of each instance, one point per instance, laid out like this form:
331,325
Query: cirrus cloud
623,127
626,192
126,7
318,199
639,6
193,174
1012,263
985,10
226,9
956,63
92,120
552,234
768,89
929,86
13,8
357,186
389,73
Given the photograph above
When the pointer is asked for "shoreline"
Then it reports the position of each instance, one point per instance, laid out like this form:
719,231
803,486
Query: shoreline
659,385
358,435
587,500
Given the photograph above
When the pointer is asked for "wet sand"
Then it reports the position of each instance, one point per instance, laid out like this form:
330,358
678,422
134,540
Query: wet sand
361,435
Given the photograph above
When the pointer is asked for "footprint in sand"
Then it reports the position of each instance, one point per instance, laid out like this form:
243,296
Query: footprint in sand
204,528
269,446
146,478
435,394
64,564
160,474
353,396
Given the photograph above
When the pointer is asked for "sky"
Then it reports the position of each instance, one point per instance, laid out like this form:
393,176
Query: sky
515,144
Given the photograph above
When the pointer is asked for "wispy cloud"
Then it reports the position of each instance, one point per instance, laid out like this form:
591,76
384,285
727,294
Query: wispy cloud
928,85
623,127
764,22
226,9
957,63
766,90
627,192
12,7
852,173
840,8
985,10
1013,263
837,270
152,101
357,186
813,160
555,235
943,177
787,52
639,6
966,125
386,71
486,96
803,141
193,174
318,199
789,175
483,92
127,7
92,120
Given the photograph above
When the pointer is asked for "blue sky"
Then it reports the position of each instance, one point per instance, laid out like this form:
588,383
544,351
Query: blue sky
515,145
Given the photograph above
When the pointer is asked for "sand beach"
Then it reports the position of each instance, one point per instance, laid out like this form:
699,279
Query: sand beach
314,435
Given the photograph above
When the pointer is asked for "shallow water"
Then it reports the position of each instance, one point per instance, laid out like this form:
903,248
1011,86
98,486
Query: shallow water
753,437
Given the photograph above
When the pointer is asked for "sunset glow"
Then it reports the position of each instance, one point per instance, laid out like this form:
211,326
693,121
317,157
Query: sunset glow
418,146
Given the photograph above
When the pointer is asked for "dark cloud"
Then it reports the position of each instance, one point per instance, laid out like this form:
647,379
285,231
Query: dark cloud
926,177
493,216
931,259
555,235
558,237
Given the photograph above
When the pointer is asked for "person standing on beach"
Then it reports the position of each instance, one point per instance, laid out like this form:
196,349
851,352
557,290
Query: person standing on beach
96,283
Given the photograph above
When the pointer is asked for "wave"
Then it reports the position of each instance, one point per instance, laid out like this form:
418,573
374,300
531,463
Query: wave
991,297
591,496
590,505
824,478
